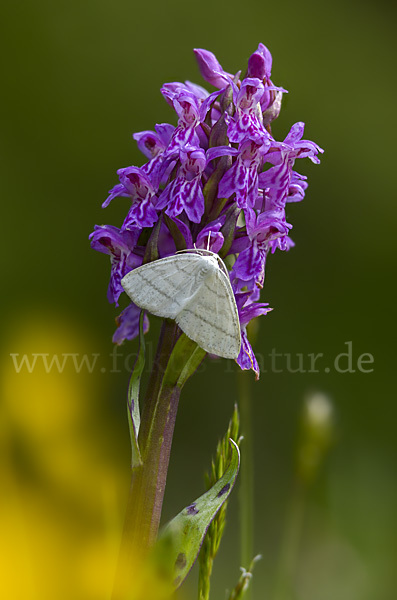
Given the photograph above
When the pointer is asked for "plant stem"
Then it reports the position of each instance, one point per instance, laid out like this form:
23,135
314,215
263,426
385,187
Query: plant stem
167,339
146,494
247,474
170,371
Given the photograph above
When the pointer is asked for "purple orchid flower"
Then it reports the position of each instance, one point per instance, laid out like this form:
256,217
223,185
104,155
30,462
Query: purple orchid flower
185,192
128,324
153,145
136,185
247,122
204,186
175,86
120,246
302,148
248,310
280,182
211,238
263,230
295,147
242,177
191,111
210,69
260,66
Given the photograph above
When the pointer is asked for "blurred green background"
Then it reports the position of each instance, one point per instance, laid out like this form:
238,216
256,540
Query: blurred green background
78,79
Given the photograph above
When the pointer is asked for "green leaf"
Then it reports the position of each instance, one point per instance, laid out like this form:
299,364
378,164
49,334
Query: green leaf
180,541
152,251
229,228
185,358
134,417
191,366
177,236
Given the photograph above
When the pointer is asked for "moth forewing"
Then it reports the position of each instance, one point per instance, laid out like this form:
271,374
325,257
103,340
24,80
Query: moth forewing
211,317
193,289
232,338
162,287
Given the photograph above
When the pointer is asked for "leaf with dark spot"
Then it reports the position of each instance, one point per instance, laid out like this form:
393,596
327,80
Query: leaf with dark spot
182,537
192,509
180,562
224,490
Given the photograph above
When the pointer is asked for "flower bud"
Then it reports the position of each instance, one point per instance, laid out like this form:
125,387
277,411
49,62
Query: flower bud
273,111
210,68
218,135
260,63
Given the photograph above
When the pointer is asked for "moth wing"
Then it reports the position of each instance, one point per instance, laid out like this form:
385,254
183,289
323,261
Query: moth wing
164,286
211,317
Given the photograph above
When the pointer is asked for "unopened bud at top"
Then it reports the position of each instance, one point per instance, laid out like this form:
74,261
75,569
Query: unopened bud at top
260,63
210,68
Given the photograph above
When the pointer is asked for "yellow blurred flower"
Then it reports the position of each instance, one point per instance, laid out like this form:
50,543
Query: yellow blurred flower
60,513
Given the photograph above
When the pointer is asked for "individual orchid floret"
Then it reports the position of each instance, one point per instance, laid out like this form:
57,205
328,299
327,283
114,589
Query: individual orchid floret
210,69
247,122
211,238
260,64
176,86
280,182
185,192
276,183
302,148
187,108
242,177
297,187
128,324
295,147
120,246
248,310
153,144
271,105
262,230
191,113
135,184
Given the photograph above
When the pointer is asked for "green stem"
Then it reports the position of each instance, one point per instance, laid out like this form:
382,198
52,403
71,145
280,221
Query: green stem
174,363
167,339
246,474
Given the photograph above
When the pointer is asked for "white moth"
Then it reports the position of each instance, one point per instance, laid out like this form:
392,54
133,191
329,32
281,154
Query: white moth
193,288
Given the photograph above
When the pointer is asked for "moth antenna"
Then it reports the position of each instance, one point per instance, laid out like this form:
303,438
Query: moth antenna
209,240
